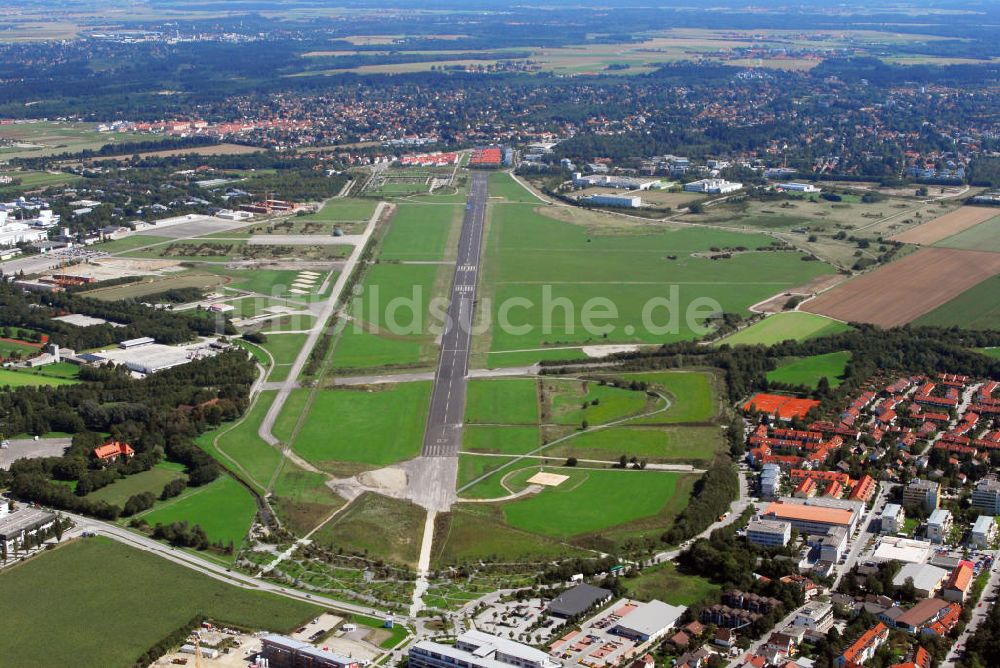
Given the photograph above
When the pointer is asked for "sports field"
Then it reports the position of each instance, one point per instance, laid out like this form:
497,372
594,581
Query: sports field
983,237
795,325
15,379
223,508
976,308
364,428
808,370
151,595
570,509
547,275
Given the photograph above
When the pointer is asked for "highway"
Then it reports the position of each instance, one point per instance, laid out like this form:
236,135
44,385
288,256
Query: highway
443,434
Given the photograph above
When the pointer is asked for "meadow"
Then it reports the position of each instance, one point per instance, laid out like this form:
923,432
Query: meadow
663,582
500,439
695,445
796,325
238,445
513,401
42,138
561,267
808,370
155,596
341,427
14,379
342,209
983,237
976,308
223,508
153,480
420,232
571,402
691,393
35,181
377,525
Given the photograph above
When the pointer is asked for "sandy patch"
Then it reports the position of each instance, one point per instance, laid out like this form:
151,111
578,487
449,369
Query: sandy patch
604,351
388,479
548,479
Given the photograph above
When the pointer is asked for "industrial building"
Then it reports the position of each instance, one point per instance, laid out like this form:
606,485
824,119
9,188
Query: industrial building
927,579
649,621
578,600
798,187
145,356
284,652
607,181
475,649
623,201
13,232
713,187
17,525
769,533
906,550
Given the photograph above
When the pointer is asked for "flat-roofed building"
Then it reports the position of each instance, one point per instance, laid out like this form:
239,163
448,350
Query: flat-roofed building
285,652
892,519
770,480
939,525
475,649
650,621
769,533
833,545
984,531
815,615
926,579
811,517
713,186
16,526
906,550
923,493
986,495
577,600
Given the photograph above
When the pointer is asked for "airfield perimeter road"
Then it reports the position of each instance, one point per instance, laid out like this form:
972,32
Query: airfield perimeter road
443,435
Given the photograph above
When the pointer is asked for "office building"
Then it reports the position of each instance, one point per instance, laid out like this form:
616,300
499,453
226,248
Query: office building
285,652
986,496
475,649
769,533
892,519
984,532
922,493
939,525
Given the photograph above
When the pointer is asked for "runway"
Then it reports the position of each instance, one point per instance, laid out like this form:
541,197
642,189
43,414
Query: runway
443,434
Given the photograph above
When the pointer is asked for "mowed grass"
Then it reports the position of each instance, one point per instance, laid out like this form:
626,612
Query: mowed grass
508,440
590,501
697,445
472,467
562,268
502,401
983,237
14,379
502,184
371,428
152,595
796,325
691,393
253,457
377,525
390,321
223,508
571,402
808,370
419,232
665,583
976,308
341,210
153,480
991,352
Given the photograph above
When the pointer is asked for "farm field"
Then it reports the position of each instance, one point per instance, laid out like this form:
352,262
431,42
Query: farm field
377,525
42,138
947,225
904,290
153,480
569,510
339,432
665,583
561,264
779,327
808,370
976,308
420,233
223,508
15,379
502,401
983,237
169,597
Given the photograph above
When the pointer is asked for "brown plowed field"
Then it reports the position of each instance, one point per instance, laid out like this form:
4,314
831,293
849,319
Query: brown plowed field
901,291
944,226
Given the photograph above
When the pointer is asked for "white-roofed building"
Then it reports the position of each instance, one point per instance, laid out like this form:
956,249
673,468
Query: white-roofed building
906,550
939,525
984,531
475,649
769,533
927,579
650,621
892,519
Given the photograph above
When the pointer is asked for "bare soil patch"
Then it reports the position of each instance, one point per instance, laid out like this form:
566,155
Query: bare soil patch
903,290
945,226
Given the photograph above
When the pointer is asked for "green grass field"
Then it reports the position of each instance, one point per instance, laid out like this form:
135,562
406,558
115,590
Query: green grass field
590,501
498,360
982,237
471,467
691,394
14,379
976,308
35,181
797,325
14,348
991,352
377,525
502,184
154,596
502,401
663,582
223,508
376,428
343,209
697,445
512,440
284,348
419,232
153,480
254,458
571,402
808,370
555,264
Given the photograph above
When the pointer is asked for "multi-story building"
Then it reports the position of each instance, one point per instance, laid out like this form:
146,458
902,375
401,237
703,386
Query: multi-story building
864,648
713,186
892,519
923,493
939,525
815,615
475,649
814,516
284,652
770,480
769,533
984,531
986,496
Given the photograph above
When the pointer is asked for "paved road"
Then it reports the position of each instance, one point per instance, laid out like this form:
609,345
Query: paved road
443,435
322,318
866,532
978,615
